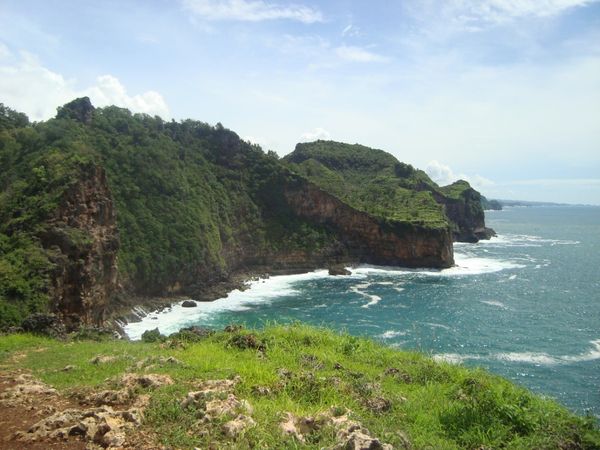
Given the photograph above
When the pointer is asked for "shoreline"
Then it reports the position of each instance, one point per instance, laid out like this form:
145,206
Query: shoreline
277,286
135,310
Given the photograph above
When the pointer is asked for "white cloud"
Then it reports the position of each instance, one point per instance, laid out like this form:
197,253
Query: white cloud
474,15
28,86
110,91
317,133
358,54
251,11
444,175
500,10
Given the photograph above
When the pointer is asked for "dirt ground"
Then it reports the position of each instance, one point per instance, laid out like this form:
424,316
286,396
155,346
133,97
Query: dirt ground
19,415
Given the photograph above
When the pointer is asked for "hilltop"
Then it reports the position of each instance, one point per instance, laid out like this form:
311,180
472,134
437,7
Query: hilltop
374,181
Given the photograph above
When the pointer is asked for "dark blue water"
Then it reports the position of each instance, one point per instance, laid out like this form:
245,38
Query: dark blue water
525,305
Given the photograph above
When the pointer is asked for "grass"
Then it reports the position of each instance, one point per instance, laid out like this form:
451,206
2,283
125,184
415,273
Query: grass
433,405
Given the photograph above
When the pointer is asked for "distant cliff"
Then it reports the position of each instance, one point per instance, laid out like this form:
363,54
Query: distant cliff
376,182
487,204
100,206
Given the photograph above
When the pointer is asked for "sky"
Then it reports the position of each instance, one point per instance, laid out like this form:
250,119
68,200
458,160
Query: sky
502,93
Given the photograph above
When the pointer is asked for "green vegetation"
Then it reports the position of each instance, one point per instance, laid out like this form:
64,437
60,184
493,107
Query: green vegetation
187,194
194,203
396,395
370,180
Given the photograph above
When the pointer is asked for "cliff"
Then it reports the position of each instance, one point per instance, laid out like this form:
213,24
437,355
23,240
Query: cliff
464,208
82,243
367,239
376,182
100,208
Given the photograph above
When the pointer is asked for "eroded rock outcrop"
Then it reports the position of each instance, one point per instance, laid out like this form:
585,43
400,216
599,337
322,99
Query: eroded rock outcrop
83,242
463,208
368,239
350,434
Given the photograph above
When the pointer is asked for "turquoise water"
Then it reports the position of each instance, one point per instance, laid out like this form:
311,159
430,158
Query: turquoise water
525,305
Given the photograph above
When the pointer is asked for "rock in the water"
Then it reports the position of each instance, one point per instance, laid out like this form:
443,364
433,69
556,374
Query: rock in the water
189,304
339,270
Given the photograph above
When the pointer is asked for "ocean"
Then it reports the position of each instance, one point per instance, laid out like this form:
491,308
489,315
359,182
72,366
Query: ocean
524,305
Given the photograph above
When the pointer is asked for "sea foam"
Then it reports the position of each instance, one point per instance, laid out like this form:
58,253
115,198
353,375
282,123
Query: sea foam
258,291
536,358
267,290
524,240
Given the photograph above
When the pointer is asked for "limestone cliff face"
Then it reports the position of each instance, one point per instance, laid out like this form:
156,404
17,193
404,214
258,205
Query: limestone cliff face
466,214
367,239
82,240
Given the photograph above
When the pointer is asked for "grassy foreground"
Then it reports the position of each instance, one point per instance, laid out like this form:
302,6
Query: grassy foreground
403,398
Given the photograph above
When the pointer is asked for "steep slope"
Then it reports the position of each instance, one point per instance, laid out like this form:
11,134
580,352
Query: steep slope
100,205
376,182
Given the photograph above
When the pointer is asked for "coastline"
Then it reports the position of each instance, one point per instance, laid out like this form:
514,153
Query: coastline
232,295
136,307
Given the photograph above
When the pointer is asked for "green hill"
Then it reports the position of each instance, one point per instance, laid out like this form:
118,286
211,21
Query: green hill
101,209
376,182
370,180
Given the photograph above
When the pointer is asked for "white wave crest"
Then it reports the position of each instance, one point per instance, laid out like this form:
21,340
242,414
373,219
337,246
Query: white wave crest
465,264
524,240
528,357
495,303
591,355
373,299
258,291
437,325
537,358
390,334
545,359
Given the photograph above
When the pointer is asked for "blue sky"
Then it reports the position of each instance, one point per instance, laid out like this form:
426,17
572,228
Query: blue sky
504,93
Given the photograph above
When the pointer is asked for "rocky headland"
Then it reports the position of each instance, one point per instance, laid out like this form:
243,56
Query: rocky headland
102,210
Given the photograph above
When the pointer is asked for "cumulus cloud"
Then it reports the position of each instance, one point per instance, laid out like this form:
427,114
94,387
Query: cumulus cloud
28,86
317,133
444,175
358,54
109,91
251,11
